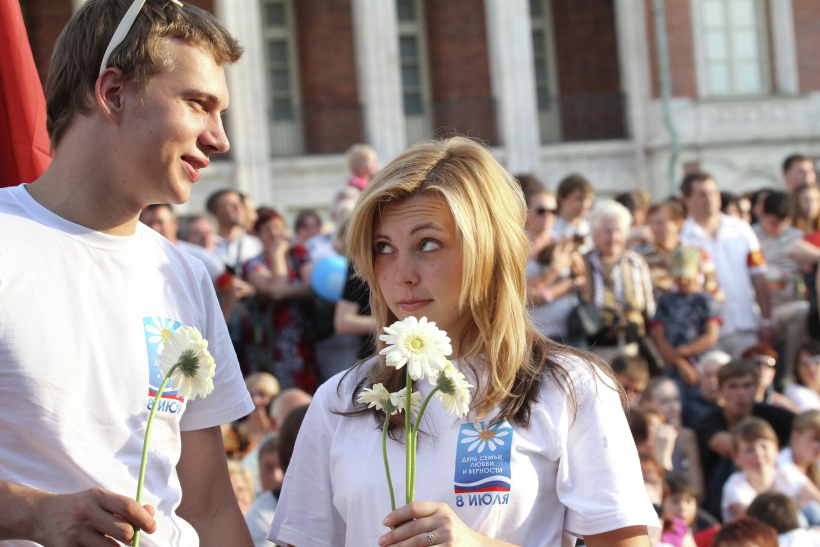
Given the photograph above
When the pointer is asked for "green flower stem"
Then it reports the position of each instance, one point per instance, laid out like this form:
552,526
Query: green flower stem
414,438
145,446
386,465
408,440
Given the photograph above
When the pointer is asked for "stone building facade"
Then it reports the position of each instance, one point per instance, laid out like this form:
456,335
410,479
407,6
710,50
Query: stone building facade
553,86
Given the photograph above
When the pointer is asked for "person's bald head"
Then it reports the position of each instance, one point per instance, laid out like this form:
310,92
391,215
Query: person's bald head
286,401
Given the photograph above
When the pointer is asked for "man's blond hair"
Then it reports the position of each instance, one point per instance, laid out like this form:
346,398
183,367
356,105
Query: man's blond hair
75,64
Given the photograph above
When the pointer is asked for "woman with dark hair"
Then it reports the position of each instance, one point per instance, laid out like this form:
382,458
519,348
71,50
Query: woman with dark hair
439,234
282,338
805,391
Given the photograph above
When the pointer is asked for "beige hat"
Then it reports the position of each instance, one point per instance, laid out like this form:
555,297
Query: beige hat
685,262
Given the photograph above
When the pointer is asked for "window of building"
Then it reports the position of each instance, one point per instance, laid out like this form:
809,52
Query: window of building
734,42
546,78
415,72
282,78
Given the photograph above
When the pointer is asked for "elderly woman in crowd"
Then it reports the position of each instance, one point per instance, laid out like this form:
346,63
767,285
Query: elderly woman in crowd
617,283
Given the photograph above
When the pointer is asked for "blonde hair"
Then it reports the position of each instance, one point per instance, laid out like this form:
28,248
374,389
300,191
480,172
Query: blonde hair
238,471
489,212
75,64
264,381
358,152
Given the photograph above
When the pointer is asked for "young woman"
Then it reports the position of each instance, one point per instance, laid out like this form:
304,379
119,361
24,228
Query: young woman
805,391
439,233
804,449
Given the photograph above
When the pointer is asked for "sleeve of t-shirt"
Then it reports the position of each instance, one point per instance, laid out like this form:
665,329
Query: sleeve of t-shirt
305,515
736,491
661,313
229,399
711,309
599,475
755,260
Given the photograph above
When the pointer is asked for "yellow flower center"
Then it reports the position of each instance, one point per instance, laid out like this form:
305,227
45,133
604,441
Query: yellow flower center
415,343
486,435
166,335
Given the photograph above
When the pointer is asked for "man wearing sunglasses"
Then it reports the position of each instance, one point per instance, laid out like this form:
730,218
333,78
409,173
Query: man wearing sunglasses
135,96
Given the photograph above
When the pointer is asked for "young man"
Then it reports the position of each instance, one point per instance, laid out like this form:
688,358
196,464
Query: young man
739,264
234,246
88,294
738,386
797,170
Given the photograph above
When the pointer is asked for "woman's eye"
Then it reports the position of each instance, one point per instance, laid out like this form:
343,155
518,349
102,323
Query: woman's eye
383,248
429,245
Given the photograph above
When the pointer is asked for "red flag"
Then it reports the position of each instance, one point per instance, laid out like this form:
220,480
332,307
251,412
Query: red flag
24,154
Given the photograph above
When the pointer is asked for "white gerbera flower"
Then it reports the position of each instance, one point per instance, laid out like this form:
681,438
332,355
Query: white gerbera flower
453,390
399,400
194,375
377,397
418,344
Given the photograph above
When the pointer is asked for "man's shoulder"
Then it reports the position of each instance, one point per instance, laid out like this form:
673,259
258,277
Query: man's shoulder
771,412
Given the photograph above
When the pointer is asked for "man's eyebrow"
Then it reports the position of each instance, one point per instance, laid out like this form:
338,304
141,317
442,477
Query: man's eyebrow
202,94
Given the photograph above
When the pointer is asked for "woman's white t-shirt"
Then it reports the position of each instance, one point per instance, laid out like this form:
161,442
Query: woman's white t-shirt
563,476
737,490
804,398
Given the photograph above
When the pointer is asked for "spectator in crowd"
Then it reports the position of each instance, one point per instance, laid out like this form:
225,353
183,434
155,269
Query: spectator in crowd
780,512
637,203
242,483
199,230
284,404
739,263
661,395
705,400
653,436
574,195
756,448
263,387
251,216
617,283
738,386
805,207
804,392
758,199
729,204
260,514
352,315
633,374
288,434
744,205
554,269
745,532
653,475
766,359
341,207
783,274
363,163
681,501
803,451
234,246
277,274
798,169
687,320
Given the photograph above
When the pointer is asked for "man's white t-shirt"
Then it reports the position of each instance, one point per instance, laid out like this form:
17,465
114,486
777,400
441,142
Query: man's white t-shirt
82,315
736,253
737,490
237,251
538,487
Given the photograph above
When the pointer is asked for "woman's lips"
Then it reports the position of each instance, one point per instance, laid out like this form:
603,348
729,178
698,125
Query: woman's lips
413,305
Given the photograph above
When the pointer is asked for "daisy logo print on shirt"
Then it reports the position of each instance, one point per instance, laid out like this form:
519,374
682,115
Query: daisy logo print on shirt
483,457
158,330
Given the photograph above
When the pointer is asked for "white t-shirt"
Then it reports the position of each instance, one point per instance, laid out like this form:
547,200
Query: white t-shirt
213,265
236,252
736,253
532,487
82,315
799,537
259,517
786,459
737,490
804,398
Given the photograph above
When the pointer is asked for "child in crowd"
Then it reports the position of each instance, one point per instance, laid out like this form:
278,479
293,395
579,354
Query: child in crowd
633,373
803,451
681,502
746,532
780,512
652,436
687,320
756,447
662,395
364,163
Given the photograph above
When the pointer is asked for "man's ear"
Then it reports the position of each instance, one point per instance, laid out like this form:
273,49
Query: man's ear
109,94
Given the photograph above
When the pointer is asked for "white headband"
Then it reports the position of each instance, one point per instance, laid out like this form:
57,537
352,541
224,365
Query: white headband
123,28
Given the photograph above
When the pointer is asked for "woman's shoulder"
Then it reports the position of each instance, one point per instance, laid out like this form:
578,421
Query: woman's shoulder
337,392
580,378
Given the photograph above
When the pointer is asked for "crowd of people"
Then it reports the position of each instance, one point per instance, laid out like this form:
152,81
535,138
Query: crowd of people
704,305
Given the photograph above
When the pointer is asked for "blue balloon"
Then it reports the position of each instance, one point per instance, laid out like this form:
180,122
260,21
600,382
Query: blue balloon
329,276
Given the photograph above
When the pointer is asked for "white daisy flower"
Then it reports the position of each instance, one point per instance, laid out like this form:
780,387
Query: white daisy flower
489,438
160,331
453,390
377,397
418,344
194,375
399,400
